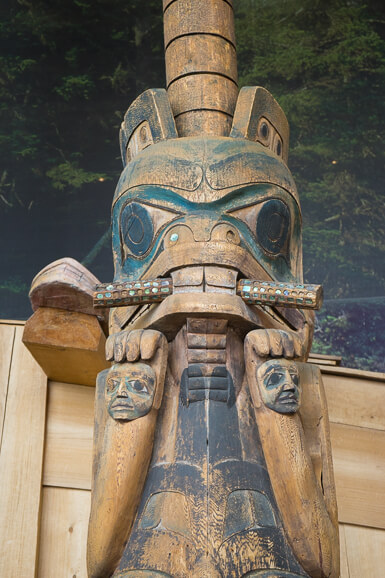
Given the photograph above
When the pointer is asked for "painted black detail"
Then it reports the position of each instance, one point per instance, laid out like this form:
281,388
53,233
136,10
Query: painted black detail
246,510
273,226
218,386
136,228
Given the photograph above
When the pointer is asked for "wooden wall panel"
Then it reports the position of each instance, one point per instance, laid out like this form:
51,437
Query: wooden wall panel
7,335
70,422
359,469
365,549
355,400
344,566
21,462
63,535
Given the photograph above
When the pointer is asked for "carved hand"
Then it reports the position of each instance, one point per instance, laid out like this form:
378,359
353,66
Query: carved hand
148,346
133,345
275,343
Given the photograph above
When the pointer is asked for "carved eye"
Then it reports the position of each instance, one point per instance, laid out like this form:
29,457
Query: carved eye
136,227
274,380
294,378
139,386
139,226
112,384
269,221
273,226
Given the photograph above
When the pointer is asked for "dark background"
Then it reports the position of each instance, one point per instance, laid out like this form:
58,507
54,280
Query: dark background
68,72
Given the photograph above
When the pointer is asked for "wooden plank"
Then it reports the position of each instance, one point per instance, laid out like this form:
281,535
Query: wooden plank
359,469
63,536
70,422
354,373
21,464
355,401
7,336
327,359
365,549
12,322
344,567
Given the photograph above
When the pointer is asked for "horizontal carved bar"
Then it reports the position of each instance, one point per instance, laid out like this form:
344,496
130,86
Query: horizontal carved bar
282,294
269,293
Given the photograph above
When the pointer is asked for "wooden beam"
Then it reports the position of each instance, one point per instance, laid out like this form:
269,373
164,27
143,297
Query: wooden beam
68,345
21,461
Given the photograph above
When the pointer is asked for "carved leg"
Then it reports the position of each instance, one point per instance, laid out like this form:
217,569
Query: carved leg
307,507
128,396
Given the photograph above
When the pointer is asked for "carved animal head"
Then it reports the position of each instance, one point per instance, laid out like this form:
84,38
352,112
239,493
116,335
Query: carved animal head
205,182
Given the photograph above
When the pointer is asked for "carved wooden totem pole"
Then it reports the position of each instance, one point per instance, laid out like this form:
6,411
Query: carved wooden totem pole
211,449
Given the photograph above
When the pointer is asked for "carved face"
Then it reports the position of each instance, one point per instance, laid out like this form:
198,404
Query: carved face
278,381
129,390
207,201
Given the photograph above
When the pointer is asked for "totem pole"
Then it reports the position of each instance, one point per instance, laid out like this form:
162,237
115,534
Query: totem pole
211,447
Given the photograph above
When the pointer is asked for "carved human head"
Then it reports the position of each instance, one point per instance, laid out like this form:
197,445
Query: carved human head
278,381
129,390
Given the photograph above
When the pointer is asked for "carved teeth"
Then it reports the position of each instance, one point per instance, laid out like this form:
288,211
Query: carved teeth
205,279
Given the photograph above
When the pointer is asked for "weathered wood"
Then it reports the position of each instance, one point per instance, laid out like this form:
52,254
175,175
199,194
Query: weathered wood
63,533
65,284
68,345
259,117
122,446
201,66
21,462
212,452
302,481
200,53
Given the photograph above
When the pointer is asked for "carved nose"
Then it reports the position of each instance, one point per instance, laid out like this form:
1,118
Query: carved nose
122,391
289,386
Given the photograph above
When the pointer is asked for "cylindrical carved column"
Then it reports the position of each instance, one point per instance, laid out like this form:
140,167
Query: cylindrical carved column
201,66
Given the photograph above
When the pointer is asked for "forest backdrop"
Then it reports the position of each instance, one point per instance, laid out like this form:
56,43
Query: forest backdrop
68,72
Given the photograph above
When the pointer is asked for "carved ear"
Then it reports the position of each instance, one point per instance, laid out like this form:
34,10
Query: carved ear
259,118
148,121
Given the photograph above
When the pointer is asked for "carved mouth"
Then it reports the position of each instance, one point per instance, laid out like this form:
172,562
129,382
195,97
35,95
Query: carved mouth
121,406
209,279
288,398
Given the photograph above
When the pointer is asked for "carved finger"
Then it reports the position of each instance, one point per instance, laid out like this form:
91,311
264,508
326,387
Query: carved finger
133,345
288,344
260,342
120,346
298,346
275,338
149,343
110,348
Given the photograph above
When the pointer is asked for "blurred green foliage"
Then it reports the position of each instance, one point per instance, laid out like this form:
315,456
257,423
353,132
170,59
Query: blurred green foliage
324,61
353,329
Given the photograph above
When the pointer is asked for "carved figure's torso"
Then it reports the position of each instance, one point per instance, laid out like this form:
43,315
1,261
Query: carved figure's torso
208,489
